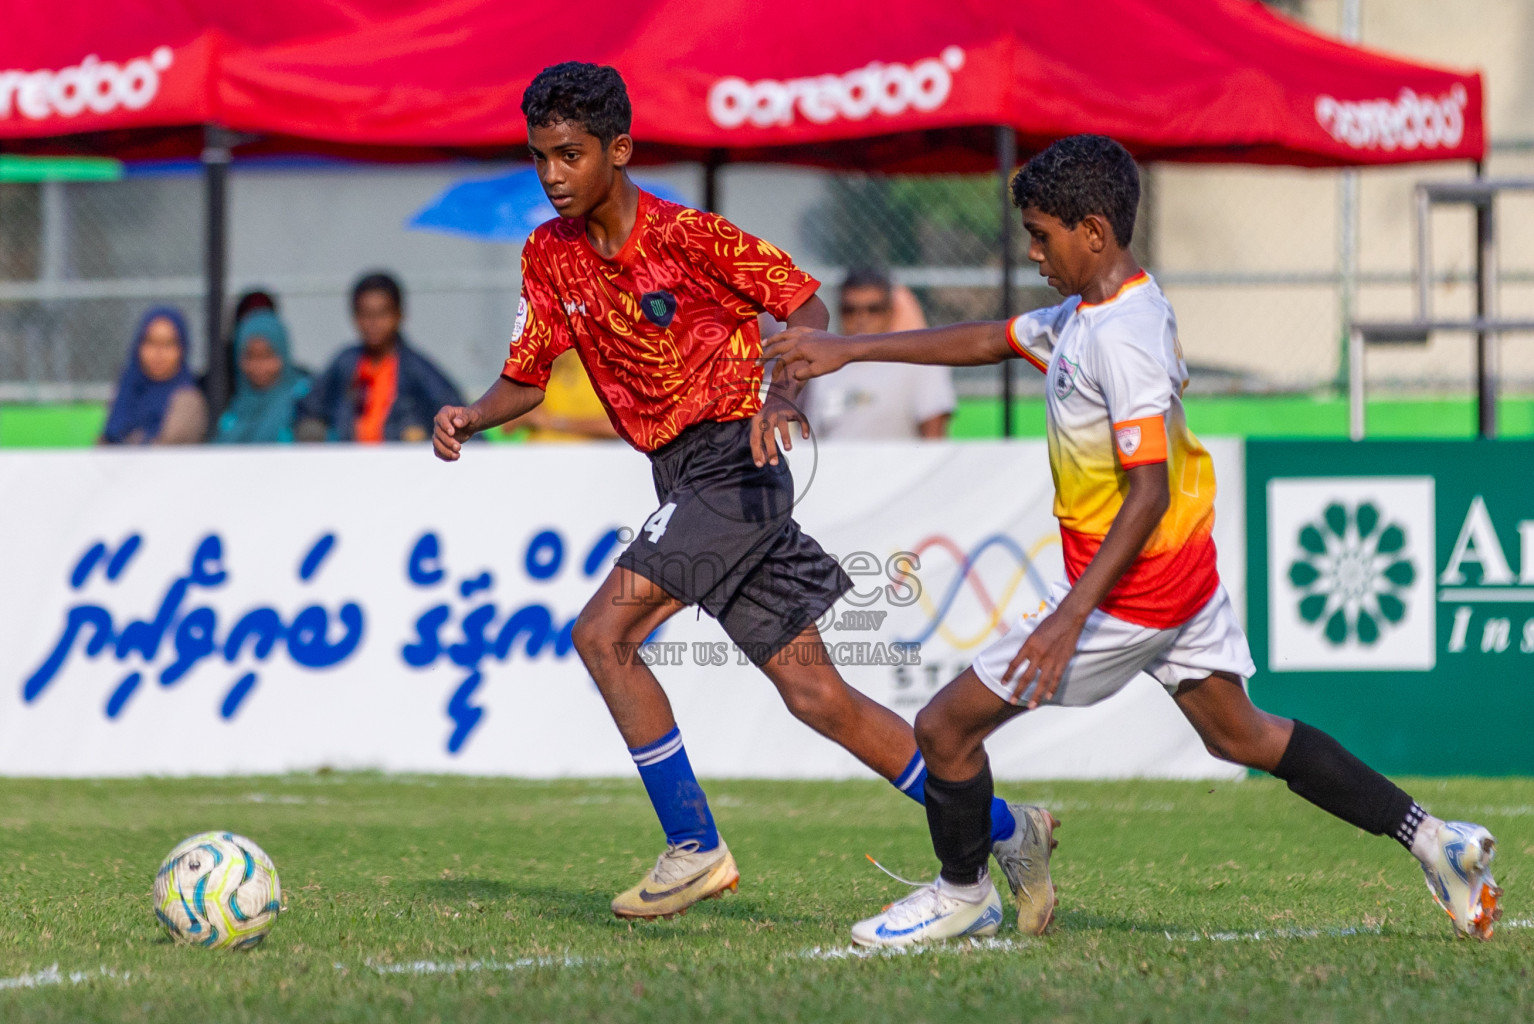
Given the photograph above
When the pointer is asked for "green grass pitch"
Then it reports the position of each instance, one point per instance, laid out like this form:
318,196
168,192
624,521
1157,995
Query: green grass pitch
462,900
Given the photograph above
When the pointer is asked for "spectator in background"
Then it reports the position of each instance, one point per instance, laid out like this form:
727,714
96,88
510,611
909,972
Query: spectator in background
253,301
268,386
570,410
157,399
879,401
248,302
380,389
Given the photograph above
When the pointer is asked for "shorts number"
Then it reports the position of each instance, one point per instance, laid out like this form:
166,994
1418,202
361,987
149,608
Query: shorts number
655,526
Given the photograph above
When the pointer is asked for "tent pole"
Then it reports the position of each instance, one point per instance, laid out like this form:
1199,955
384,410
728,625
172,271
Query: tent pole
1347,214
1486,342
215,167
1006,160
711,180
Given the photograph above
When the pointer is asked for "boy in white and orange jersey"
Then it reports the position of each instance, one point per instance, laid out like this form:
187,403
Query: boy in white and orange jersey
1135,500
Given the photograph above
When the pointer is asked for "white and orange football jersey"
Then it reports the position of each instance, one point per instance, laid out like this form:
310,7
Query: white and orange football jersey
1114,380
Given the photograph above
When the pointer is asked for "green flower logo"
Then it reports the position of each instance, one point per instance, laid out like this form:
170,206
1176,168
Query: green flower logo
1352,574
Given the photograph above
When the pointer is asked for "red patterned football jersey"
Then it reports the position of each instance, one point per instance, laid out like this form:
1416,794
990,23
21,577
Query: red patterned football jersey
666,328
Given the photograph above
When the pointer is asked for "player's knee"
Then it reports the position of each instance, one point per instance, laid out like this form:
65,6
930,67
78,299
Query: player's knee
939,738
1257,742
815,701
1217,750
1245,749
1221,740
587,636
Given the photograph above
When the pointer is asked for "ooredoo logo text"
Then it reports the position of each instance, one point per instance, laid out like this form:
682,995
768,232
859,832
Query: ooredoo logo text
1410,121
878,88
95,85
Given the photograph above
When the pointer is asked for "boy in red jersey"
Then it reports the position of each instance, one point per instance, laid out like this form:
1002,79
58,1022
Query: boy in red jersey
660,302
1134,493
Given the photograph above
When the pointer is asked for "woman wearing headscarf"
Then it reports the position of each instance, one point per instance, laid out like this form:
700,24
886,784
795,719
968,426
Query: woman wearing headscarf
157,398
268,386
247,303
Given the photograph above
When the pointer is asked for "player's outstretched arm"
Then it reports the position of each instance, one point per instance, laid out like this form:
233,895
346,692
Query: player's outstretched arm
455,424
806,353
1047,651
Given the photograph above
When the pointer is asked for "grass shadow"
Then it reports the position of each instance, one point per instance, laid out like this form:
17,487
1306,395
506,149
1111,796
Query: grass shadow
481,890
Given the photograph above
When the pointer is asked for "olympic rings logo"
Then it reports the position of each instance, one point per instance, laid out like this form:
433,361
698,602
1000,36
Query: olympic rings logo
968,576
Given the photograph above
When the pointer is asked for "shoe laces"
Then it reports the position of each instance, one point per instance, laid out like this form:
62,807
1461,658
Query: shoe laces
887,871
1014,863
922,905
673,866
925,903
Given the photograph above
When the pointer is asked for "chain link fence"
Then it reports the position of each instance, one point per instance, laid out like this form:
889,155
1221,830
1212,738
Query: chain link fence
1251,258
79,263
940,235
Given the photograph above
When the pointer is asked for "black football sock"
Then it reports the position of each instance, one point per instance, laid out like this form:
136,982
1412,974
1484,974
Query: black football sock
1319,769
959,817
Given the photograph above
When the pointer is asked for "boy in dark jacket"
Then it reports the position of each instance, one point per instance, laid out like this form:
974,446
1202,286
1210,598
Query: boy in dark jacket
381,389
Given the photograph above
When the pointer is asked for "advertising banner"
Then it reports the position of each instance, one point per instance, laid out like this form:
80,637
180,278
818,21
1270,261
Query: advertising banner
1392,598
220,611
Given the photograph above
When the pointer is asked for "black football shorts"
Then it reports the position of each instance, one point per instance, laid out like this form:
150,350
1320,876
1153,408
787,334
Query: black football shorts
724,537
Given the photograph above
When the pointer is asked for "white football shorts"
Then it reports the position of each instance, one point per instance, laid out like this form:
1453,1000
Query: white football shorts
1111,651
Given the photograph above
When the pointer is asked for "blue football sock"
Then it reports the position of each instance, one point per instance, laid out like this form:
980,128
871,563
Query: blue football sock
912,781
674,791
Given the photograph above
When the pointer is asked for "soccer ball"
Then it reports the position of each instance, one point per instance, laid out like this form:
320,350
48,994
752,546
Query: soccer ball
218,890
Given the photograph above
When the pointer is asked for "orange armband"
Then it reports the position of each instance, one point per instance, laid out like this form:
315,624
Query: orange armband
1140,442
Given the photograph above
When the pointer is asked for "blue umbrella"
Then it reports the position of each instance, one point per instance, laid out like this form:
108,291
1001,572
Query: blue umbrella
503,209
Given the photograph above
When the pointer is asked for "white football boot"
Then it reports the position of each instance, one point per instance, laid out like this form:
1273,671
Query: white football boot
1458,871
682,876
1024,861
930,915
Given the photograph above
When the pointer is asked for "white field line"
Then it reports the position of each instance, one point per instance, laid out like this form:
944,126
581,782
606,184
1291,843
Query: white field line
423,967
53,976
1308,933
1518,811
1277,933
884,952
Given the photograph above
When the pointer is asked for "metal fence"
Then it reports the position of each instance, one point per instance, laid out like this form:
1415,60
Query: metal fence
79,262
1251,257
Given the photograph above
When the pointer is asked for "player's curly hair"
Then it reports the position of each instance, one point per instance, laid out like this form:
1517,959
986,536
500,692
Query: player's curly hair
1081,175
593,95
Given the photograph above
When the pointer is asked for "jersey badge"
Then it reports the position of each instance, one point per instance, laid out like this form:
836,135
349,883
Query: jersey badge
658,307
1065,378
1128,439
521,322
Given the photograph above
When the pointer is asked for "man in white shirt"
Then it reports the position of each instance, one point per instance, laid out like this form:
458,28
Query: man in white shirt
879,401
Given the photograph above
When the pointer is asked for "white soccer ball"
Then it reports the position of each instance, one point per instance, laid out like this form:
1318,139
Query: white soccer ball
219,890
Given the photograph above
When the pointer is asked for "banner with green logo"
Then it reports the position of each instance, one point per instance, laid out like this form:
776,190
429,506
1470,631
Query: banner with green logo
1391,597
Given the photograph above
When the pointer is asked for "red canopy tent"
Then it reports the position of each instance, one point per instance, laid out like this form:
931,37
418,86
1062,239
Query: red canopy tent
924,86
920,87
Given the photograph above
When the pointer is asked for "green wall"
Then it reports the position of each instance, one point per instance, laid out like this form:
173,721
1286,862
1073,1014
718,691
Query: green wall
77,425
1281,416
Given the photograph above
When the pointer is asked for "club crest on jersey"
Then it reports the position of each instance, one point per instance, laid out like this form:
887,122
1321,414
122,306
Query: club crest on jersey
521,322
1065,378
1128,439
658,307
